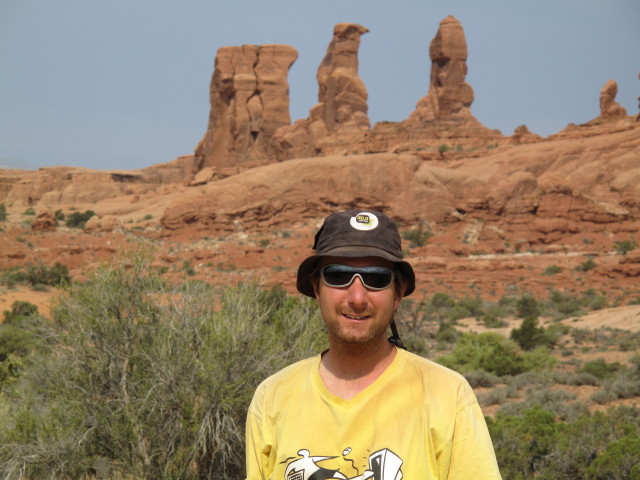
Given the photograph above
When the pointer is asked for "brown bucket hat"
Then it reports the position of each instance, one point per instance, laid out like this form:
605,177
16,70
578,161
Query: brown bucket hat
354,233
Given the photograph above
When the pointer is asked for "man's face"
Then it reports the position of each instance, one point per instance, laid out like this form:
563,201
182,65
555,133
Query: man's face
355,314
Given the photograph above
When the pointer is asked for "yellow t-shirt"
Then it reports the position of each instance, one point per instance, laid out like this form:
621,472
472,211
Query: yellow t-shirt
417,421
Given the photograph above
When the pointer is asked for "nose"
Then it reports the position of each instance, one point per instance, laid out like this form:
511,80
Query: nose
357,294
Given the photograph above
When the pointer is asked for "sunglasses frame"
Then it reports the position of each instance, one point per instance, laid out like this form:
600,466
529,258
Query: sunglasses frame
357,272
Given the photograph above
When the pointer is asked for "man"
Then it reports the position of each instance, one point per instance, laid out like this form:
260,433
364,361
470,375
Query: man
365,408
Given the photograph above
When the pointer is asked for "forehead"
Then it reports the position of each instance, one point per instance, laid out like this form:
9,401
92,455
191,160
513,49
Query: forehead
357,261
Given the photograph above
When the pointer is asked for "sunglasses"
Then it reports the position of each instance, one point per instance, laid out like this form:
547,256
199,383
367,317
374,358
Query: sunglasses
373,278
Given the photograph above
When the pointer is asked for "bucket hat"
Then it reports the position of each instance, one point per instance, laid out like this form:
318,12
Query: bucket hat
354,233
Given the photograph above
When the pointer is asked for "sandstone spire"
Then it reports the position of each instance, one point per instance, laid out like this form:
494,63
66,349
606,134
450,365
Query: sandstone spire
341,112
608,105
443,117
448,94
249,97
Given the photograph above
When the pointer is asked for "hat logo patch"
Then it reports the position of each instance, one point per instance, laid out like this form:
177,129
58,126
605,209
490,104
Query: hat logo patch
364,221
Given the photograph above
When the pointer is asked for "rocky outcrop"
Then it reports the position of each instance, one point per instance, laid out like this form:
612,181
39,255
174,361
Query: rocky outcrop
72,185
249,97
443,116
106,223
522,134
608,105
8,179
340,116
613,118
45,221
538,194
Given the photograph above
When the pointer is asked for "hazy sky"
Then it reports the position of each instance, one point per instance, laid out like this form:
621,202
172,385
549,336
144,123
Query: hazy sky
125,83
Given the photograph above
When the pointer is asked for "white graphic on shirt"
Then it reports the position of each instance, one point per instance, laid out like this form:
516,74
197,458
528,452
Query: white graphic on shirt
381,465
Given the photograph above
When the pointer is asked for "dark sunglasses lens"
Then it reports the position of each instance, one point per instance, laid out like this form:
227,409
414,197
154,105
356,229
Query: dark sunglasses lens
342,275
337,275
379,278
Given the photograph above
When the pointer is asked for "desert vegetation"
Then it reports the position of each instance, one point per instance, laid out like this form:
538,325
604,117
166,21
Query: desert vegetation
138,377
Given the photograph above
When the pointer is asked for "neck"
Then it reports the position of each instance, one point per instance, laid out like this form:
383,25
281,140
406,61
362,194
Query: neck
346,370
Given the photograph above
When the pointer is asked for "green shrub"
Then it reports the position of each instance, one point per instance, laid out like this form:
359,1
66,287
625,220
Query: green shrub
589,447
29,211
527,306
552,270
19,310
565,304
442,300
496,396
3,213
149,381
79,220
601,369
619,461
419,235
624,246
447,332
523,442
588,264
493,353
36,275
529,335
481,378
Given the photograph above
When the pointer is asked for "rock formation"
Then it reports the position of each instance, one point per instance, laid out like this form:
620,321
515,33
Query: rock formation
340,116
521,134
45,221
608,105
72,185
249,97
444,115
449,95
585,183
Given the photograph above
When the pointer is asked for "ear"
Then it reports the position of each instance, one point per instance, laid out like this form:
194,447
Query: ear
397,299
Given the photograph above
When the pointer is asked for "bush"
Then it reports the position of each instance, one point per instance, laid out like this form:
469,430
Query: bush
79,220
565,304
149,381
523,442
19,310
480,378
624,246
527,306
492,353
534,444
3,213
588,264
529,335
552,270
419,235
442,300
40,274
589,447
601,369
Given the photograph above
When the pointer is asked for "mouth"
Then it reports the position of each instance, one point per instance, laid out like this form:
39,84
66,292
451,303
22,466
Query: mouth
356,317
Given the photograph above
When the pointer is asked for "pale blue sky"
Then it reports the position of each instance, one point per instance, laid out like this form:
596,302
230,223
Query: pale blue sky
125,83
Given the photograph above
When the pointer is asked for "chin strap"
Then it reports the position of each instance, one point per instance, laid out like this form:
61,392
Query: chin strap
395,337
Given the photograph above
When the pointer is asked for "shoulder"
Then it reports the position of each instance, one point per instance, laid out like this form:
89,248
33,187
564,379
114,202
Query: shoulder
424,366
281,383
434,379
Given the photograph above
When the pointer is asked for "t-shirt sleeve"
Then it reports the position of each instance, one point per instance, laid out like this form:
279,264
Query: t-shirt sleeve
258,448
471,453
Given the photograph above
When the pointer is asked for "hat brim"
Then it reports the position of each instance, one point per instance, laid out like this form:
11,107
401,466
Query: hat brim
304,282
